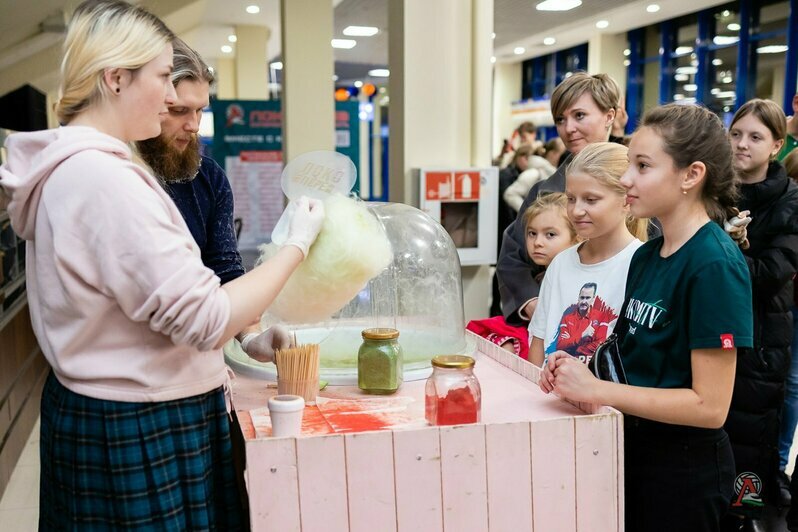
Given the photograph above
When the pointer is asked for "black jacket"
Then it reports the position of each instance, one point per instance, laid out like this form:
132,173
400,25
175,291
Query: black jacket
516,271
753,422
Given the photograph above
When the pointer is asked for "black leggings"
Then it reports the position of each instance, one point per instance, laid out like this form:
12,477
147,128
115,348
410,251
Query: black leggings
677,477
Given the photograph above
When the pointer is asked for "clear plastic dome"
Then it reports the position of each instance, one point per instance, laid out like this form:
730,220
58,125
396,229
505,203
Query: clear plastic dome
420,294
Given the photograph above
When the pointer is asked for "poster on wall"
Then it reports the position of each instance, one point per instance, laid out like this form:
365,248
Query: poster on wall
248,144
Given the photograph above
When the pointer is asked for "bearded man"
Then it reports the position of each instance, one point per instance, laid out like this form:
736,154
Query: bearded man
200,188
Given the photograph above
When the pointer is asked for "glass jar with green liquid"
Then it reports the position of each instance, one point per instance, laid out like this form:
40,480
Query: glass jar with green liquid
379,361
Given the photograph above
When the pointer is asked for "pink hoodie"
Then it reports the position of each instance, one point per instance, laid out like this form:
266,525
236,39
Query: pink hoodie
120,301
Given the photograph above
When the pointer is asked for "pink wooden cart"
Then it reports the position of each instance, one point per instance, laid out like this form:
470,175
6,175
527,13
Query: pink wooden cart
535,462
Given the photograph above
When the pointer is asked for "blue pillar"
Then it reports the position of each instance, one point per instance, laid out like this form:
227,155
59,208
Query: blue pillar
743,46
634,79
702,54
791,64
666,63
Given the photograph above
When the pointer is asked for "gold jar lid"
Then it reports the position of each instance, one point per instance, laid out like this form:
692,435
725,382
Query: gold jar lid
453,361
380,333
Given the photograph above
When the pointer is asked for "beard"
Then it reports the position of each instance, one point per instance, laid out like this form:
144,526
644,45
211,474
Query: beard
169,164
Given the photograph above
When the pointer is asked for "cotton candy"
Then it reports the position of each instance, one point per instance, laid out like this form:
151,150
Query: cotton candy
351,249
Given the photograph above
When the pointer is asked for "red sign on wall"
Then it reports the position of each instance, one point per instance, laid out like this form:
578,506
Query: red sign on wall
439,186
466,186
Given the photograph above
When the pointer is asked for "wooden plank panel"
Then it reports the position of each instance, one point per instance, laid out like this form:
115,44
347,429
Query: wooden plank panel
509,468
464,478
370,482
553,475
272,484
618,421
417,459
321,463
596,474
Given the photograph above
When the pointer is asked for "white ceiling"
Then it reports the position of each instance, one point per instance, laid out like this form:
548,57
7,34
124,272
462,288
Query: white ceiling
205,24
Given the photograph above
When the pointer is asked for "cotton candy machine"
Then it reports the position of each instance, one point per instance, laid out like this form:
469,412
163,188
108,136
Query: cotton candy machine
420,294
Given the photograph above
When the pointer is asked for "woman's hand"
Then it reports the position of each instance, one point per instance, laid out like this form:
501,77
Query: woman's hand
573,380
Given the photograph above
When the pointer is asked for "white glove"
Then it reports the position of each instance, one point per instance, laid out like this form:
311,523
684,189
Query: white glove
261,346
305,223
736,228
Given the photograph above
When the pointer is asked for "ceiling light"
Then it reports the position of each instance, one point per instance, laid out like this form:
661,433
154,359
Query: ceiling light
232,38
558,5
344,43
694,63
652,8
715,90
687,70
733,27
627,52
626,62
772,49
677,97
360,31
493,59
379,73
277,65
358,84
253,10
681,77
717,61
726,94
726,108
519,50
690,87
227,48
681,50
720,40
601,24
548,41
335,78
725,13
727,79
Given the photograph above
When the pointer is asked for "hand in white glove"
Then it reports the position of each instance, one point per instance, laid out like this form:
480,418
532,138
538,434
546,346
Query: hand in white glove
736,228
305,224
261,346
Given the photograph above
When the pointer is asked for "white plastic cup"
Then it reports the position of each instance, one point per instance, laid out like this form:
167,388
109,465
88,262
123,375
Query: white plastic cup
286,413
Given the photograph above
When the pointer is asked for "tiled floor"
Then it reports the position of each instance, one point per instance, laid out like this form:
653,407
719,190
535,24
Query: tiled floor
19,507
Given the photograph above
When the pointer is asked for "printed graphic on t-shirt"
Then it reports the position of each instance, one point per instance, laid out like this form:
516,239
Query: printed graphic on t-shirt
584,325
646,314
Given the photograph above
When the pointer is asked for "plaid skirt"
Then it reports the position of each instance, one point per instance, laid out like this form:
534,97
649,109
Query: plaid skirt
136,466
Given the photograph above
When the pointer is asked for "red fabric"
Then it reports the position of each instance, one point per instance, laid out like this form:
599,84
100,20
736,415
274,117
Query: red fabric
499,331
573,325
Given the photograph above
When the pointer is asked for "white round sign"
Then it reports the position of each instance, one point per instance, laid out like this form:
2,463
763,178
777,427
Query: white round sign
318,174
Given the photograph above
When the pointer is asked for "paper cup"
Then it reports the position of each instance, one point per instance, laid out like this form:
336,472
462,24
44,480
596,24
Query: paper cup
286,414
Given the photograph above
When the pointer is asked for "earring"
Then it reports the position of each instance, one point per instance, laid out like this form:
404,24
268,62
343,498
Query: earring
684,192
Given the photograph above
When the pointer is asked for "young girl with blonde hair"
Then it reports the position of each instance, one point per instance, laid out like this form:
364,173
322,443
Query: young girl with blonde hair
583,289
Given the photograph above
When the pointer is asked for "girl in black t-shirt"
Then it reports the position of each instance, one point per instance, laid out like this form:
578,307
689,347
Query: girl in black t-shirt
688,308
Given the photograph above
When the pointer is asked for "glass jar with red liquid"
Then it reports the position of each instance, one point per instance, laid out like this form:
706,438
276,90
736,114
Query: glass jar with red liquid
452,393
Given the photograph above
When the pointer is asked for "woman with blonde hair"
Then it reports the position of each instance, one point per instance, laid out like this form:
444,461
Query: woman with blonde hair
134,427
582,292
583,107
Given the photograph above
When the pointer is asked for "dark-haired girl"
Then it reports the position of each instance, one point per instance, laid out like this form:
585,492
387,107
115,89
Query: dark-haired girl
687,310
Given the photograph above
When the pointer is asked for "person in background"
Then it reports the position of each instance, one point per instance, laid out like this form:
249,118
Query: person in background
539,167
524,135
791,164
756,132
688,309
548,232
135,431
200,188
583,107
597,267
791,138
553,151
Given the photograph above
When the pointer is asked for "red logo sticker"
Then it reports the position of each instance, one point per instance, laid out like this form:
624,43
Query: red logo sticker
727,341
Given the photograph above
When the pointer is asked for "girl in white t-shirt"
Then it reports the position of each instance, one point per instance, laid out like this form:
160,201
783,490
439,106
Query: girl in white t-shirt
583,289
